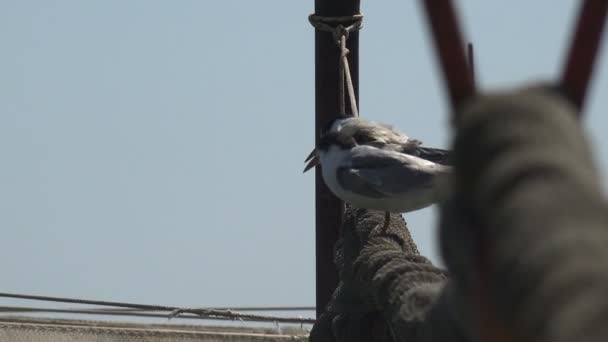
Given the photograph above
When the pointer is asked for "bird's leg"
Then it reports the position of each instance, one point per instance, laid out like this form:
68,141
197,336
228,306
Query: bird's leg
387,221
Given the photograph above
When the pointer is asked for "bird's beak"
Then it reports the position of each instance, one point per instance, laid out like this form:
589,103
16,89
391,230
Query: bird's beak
312,159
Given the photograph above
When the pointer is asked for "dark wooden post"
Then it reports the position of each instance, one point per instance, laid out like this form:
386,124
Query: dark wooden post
329,209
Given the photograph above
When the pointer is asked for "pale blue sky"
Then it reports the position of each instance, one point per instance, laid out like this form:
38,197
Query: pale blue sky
152,150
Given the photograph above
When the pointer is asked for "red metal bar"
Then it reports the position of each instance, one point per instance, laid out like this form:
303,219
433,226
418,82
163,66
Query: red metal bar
471,59
329,209
578,68
459,77
450,49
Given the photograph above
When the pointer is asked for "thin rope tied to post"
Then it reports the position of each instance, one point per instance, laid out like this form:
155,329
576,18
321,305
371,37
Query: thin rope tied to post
340,33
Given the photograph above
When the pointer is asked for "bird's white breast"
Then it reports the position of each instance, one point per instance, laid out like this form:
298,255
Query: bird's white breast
336,158
331,160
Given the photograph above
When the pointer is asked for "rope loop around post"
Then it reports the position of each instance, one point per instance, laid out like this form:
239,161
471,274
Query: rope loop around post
340,28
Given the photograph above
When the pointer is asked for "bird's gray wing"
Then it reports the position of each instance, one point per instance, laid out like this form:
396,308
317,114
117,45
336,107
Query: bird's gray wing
385,138
377,173
352,180
436,155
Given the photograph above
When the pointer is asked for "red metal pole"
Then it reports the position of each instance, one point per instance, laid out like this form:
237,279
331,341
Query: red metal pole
449,45
329,209
471,58
460,81
578,68
458,71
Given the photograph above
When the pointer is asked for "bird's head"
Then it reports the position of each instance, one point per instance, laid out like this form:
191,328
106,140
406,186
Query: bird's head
331,135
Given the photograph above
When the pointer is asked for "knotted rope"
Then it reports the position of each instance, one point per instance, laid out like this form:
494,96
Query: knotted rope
340,28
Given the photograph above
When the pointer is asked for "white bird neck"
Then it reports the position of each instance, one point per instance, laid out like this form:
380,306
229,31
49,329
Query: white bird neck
334,157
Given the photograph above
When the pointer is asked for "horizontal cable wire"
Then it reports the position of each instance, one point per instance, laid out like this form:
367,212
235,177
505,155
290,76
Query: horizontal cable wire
139,313
134,309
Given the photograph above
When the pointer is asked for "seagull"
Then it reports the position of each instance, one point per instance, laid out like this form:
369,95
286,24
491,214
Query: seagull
383,136
374,166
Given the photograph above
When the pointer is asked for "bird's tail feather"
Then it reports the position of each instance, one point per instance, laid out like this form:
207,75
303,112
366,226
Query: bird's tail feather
435,155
